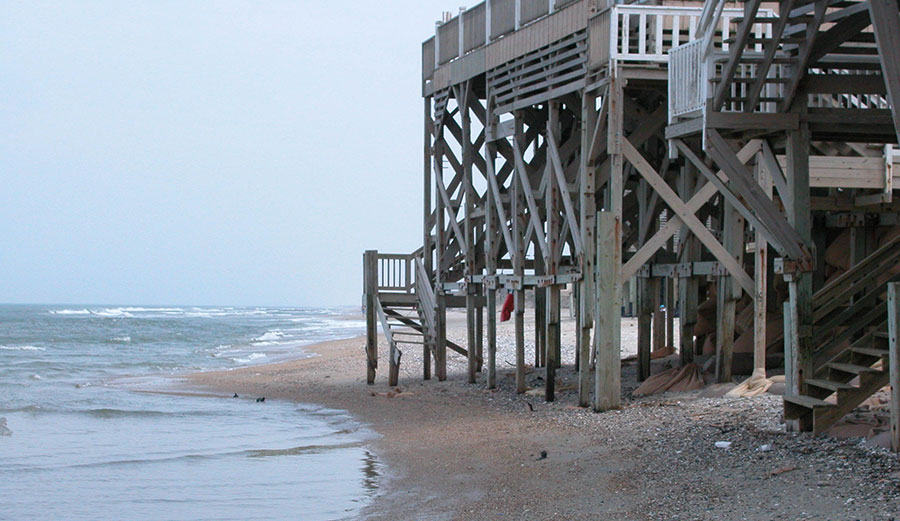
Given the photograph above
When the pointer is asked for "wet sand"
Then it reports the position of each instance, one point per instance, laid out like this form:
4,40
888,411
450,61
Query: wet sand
458,451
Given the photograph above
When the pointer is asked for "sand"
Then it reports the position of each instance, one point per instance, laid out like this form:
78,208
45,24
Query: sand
452,450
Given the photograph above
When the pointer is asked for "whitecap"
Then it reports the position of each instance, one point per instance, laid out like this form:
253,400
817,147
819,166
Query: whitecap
70,312
150,310
270,336
113,312
120,340
22,348
252,357
36,377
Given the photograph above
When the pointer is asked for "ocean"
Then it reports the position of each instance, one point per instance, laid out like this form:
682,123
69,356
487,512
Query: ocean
80,439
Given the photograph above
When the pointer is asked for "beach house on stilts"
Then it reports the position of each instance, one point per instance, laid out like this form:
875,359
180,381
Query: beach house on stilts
732,161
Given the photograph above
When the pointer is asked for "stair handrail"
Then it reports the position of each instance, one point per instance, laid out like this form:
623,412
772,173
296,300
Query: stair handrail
709,20
842,288
425,294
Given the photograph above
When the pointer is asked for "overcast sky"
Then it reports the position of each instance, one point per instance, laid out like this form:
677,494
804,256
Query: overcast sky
217,152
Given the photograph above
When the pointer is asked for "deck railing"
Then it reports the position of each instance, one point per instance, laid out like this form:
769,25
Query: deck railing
396,273
476,27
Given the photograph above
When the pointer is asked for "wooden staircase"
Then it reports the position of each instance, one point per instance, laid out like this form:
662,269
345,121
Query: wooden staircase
764,73
851,364
404,304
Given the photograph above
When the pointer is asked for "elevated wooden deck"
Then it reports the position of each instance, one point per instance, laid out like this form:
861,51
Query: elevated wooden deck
659,154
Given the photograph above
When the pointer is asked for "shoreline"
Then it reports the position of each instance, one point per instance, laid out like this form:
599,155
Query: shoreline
451,450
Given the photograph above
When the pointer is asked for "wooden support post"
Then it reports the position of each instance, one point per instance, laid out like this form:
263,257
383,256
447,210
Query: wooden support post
518,258
428,246
540,311
688,293
894,361
645,314
492,338
551,262
370,276
644,293
463,97
440,311
607,337
490,253
440,350
761,273
728,293
659,319
479,334
588,213
553,342
800,348
670,311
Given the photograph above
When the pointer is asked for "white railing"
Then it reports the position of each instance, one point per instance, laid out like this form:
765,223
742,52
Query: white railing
687,79
646,33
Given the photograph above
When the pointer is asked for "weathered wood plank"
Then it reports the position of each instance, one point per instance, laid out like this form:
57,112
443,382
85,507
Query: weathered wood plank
607,337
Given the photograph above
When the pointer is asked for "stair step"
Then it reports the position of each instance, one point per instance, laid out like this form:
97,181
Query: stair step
829,385
754,40
881,334
761,99
807,401
778,60
718,79
772,19
852,368
871,351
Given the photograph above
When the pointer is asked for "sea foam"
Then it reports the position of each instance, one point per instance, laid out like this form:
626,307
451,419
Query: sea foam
22,348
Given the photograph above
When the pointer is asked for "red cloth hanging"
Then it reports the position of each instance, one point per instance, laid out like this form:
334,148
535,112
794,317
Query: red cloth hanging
509,306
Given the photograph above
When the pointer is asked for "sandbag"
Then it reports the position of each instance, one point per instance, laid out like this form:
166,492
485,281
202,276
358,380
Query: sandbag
687,378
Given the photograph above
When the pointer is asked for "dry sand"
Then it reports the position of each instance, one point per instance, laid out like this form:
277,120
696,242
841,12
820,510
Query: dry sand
458,451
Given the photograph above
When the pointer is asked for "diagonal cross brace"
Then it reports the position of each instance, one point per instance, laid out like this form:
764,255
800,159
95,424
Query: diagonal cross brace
745,194
522,174
682,211
556,165
702,195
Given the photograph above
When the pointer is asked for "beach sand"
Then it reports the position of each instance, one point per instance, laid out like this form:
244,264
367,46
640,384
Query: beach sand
452,450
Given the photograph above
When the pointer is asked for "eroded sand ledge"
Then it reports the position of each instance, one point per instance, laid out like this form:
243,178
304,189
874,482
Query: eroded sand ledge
458,451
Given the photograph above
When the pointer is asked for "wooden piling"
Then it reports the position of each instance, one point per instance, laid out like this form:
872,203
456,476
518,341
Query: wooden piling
607,336
370,264
894,361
